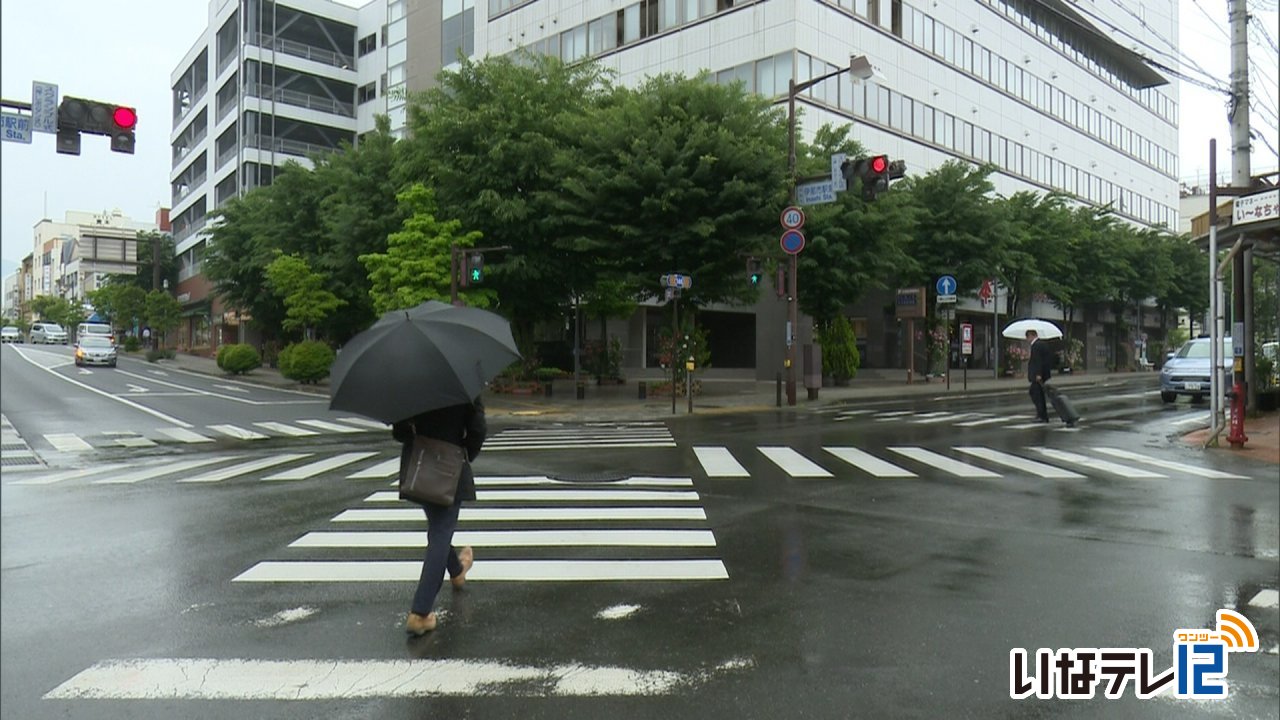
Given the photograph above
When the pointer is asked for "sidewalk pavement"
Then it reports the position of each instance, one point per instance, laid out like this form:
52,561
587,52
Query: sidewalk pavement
615,403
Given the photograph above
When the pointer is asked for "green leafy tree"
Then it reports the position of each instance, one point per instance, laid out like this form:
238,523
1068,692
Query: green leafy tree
415,268
161,312
121,303
840,350
306,299
57,309
145,277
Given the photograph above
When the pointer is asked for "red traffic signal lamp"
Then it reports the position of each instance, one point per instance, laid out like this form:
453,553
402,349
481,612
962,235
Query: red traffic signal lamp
874,173
77,115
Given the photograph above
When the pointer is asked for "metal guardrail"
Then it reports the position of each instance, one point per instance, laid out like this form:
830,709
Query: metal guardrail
300,99
302,50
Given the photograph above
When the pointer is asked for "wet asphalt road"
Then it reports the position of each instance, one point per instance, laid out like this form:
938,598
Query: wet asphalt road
847,596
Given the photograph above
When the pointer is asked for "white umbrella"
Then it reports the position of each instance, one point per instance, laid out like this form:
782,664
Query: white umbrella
1045,329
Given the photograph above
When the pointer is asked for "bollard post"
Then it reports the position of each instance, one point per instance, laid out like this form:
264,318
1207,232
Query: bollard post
548,389
643,389
582,391
779,388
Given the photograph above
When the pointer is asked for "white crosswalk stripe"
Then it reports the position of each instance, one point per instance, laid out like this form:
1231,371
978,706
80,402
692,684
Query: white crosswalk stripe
237,432
944,463
127,438
329,426
1168,464
869,463
283,429
245,468
1094,464
793,463
320,466
381,471
719,462
1013,461
158,470
68,442
364,422
572,523
184,435
589,435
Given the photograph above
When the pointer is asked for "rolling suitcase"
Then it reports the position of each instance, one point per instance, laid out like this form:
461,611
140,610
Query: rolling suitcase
1062,405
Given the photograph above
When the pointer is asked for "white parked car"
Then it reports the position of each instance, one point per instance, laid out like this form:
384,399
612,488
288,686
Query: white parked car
10,334
47,333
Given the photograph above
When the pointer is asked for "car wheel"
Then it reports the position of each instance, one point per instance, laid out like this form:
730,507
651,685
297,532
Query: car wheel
112,365
1168,396
1197,398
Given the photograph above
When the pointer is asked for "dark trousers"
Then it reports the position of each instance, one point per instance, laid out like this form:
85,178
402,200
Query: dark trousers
1037,397
442,520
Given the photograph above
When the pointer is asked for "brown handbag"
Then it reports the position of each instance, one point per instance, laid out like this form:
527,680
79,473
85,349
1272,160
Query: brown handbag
431,472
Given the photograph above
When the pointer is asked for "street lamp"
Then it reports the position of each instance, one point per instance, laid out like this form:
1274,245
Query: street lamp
860,67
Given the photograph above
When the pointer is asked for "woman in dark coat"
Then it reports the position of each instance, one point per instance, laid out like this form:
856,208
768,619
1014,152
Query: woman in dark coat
462,425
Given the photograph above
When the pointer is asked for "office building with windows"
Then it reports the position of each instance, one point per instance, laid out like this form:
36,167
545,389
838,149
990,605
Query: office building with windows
265,83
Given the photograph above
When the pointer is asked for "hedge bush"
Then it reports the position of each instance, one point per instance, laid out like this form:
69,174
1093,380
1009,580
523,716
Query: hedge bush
238,358
155,354
306,362
132,344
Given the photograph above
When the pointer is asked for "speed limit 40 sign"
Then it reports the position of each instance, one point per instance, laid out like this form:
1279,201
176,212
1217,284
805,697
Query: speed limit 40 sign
792,218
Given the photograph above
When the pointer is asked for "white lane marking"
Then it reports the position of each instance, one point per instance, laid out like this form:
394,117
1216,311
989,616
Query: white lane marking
384,469
238,433
299,680
159,373
130,403
1266,599
895,413
533,514
82,371
524,570
1084,461
617,612
232,388
1168,464
520,436
284,617
854,412
987,421
577,446
793,463
331,427
363,422
244,468
512,538
57,477
869,463
944,463
157,471
578,432
136,388
635,481
135,440
320,466
68,442
1018,463
1025,426
1195,418
285,429
567,494
946,417
184,435
719,462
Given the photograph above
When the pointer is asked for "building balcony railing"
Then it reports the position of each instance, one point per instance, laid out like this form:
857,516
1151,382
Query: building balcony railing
286,146
226,155
225,61
302,50
181,154
181,194
301,99
180,234
189,271
196,97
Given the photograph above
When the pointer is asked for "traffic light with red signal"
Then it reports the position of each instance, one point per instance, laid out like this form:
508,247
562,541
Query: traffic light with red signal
874,173
77,115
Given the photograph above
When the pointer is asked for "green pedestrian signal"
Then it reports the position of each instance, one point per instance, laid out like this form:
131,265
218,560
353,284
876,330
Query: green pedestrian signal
755,271
475,268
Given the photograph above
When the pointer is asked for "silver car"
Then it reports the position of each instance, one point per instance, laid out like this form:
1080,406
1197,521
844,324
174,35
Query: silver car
47,333
95,350
10,334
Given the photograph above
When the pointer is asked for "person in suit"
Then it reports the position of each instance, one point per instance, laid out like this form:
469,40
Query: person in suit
1039,366
464,426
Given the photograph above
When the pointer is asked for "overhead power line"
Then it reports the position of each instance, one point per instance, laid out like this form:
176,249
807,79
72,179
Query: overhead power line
1212,20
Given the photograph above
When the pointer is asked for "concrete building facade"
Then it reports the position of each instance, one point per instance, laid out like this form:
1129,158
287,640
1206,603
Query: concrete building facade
71,258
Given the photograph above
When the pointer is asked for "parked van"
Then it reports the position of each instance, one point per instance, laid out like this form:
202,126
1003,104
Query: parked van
47,333
98,329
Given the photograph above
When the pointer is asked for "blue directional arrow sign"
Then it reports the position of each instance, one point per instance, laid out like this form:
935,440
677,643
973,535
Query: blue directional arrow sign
946,285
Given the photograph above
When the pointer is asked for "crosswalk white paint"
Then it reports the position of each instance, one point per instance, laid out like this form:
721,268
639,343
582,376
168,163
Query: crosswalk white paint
944,463
945,417
67,442
984,421
793,463
365,422
56,477
719,462
1168,464
1018,463
590,435
381,471
292,681
329,426
512,538
283,429
184,435
869,463
566,495
1084,461
159,470
320,466
126,438
245,468
633,481
523,570
534,514
237,432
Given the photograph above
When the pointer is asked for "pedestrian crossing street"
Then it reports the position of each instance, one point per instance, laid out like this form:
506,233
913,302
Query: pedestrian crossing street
962,461
561,436
523,529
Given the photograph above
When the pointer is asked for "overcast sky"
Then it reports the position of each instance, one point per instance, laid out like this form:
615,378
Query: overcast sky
124,51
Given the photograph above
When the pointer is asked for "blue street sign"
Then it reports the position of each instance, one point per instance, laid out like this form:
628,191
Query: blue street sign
946,285
15,127
792,242
816,193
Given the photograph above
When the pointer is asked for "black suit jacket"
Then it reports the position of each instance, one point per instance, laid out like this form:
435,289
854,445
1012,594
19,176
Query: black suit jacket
463,425
1041,362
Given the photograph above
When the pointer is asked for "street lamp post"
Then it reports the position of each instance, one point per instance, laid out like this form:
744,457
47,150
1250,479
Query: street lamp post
861,68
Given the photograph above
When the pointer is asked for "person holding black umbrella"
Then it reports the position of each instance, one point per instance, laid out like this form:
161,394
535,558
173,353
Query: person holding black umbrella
462,425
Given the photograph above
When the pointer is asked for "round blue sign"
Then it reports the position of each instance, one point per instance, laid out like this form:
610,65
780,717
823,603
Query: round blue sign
946,285
792,242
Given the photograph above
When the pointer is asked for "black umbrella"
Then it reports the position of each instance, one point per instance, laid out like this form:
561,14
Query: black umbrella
427,357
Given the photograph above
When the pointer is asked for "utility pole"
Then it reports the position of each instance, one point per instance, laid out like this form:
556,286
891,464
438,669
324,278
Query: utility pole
1241,178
